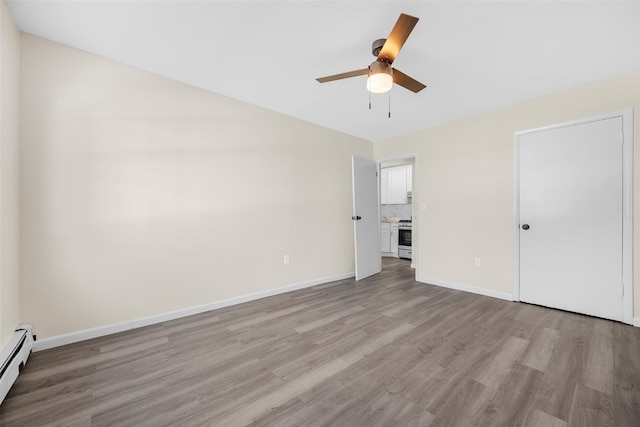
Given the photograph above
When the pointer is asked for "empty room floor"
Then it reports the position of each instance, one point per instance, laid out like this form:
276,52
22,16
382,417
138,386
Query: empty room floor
383,351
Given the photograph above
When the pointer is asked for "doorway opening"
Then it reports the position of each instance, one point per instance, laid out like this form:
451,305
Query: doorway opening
398,219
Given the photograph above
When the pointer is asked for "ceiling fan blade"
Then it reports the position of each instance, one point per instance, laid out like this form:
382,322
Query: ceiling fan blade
397,37
343,75
407,82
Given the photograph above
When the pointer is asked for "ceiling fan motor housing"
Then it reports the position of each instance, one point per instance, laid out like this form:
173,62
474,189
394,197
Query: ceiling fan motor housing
378,67
376,46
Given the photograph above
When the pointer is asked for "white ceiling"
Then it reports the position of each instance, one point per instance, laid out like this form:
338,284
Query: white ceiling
473,56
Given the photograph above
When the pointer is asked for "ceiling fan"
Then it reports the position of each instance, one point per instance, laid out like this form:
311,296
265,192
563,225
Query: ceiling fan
381,74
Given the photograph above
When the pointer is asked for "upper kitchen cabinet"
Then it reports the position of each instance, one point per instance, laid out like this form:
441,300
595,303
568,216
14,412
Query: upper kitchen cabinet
395,185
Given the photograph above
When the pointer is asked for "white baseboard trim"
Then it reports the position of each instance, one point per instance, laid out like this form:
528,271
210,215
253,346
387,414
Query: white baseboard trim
636,322
467,288
86,334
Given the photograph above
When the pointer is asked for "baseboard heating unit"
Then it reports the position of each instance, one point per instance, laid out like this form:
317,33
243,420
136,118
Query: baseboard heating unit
13,356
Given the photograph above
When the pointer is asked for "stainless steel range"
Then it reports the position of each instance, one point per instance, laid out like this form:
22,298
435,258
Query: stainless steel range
404,239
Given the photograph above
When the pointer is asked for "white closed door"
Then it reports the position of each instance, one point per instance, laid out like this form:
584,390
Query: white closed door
366,223
571,211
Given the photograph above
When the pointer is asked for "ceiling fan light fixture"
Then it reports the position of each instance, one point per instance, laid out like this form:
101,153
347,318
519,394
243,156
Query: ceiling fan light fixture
380,78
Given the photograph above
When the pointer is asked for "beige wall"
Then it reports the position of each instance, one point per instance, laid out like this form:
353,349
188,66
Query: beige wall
9,174
465,176
142,195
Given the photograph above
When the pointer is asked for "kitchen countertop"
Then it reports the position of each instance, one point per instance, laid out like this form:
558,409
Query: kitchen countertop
390,220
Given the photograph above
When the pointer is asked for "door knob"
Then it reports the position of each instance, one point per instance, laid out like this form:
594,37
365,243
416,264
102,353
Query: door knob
356,218
525,226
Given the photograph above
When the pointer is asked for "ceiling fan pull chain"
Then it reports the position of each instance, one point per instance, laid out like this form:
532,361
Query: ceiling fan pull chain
368,91
389,104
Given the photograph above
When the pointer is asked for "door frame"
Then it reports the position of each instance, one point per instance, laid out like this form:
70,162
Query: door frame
414,204
627,204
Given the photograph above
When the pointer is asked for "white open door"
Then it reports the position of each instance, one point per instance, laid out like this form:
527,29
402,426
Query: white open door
571,217
366,224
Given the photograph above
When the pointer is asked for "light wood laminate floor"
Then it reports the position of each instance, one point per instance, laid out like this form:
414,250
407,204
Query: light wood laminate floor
384,351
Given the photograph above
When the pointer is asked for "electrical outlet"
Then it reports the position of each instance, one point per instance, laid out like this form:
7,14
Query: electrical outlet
477,262
286,259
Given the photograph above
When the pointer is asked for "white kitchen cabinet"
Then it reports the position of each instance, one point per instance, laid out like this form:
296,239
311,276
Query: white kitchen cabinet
395,182
397,185
385,238
394,239
384,186
389,239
